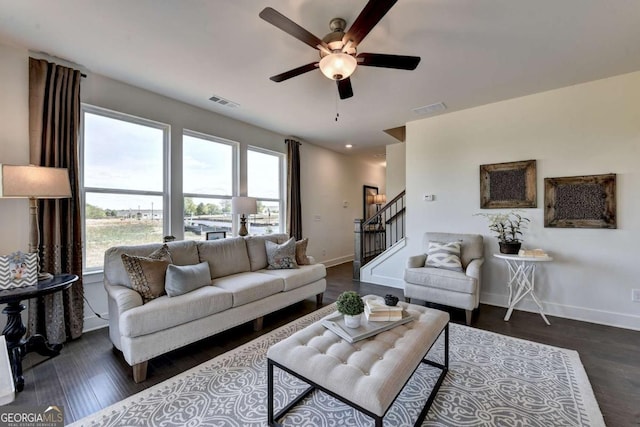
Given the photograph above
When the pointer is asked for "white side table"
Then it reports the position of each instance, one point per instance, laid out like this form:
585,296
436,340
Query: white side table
522,280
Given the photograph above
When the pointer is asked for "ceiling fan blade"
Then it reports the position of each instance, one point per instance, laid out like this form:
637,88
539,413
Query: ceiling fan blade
344,88
400,62
295,72
368,18
274,17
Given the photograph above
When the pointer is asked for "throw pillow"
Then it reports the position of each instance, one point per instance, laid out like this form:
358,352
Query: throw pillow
146,275
301,252
181,279
161,253
281,256
444,255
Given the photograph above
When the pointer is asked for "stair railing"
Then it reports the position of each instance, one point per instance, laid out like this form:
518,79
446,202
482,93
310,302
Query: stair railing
376,234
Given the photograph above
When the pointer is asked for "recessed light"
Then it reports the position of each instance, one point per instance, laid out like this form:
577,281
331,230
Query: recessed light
348,146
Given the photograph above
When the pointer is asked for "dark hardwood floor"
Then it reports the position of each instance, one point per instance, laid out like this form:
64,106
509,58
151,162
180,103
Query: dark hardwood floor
88,375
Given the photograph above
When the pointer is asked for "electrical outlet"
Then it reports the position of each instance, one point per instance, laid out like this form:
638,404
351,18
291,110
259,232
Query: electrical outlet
635,295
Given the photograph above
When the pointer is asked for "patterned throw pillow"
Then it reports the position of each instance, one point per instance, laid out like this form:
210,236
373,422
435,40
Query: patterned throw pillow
301,252
282,256
444,255
147,274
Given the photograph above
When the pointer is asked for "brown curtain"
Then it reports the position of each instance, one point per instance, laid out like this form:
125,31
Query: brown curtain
294,211
54,124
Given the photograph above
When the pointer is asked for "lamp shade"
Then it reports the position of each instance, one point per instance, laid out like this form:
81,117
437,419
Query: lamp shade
244,205
36,182
379,199
338,66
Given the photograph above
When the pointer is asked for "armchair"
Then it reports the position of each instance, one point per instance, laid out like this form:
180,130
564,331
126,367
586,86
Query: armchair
460,289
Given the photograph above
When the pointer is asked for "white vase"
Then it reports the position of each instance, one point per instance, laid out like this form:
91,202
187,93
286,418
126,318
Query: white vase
352,321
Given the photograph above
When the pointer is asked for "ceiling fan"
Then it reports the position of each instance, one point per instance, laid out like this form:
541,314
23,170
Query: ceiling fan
338,49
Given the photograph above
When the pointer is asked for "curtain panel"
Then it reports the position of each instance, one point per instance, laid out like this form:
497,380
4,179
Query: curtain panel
54,125
294,204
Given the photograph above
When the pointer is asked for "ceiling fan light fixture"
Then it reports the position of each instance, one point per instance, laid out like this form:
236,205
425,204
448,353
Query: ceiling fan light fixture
338,65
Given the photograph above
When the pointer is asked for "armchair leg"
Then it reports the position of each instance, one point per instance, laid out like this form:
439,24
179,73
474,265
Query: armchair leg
407,300
469,314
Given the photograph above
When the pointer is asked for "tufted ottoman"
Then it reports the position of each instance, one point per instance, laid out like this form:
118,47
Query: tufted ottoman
367,375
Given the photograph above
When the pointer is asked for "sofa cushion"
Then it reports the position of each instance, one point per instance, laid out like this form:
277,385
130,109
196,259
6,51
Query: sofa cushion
439,278
248,287
225,256
281,256
257,250
147,274
299,277
181,279
301,252
444,255
182,253
164,312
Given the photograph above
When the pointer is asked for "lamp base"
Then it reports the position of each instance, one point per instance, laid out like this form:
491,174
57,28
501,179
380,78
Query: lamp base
243,226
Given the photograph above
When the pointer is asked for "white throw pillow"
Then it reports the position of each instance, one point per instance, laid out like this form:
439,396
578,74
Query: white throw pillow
181,279
281,256
444,255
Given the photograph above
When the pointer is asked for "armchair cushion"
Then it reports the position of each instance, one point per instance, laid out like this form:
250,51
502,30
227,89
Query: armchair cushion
444,255
455,281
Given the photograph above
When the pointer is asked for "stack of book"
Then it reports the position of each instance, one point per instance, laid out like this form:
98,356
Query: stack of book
536,253
377,311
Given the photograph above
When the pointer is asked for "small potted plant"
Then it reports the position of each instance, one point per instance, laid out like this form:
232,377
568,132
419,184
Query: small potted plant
351,306
508,229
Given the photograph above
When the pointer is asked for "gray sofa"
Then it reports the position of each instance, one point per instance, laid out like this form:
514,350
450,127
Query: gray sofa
460,289
241,290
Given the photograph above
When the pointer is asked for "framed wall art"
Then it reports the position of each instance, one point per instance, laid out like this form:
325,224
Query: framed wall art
508,185
580,201
368,206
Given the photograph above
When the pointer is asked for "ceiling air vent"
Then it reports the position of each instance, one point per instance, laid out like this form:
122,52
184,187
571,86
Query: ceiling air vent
430,109
225,102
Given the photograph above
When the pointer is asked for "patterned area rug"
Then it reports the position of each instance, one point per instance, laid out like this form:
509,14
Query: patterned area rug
493,380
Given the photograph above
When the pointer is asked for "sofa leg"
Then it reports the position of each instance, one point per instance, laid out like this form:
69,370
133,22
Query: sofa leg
407,300
469,314
319,299
140,371
257,323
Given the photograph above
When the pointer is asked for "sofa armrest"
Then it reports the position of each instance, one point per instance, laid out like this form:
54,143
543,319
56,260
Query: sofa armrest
474,268
123,297
416,261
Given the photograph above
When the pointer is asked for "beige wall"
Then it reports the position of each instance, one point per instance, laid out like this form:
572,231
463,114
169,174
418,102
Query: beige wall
396,169
592,128
328,178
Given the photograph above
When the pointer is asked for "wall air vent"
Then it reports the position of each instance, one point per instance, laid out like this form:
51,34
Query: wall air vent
224,102
430,109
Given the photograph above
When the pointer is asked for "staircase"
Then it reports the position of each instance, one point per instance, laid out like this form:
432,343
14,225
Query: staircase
375,235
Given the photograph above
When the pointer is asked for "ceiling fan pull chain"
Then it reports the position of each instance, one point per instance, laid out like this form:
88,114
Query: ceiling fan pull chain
337,113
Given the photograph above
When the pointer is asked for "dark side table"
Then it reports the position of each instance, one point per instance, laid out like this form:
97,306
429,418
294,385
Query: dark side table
17,346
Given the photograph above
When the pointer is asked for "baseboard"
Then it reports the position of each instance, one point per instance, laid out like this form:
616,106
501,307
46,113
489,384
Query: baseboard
337,261
601,317
91,323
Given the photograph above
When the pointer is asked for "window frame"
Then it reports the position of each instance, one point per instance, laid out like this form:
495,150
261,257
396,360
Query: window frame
166,160
282,187
235,170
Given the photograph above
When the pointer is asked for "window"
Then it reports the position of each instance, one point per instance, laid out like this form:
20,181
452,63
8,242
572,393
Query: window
209,166
124,181
265,181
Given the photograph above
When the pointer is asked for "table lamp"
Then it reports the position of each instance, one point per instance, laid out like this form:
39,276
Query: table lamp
244,206
34,182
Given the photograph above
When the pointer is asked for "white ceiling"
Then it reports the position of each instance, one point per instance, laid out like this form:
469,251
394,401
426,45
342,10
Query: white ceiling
473,52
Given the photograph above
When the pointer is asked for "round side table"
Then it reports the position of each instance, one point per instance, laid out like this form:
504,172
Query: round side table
17,346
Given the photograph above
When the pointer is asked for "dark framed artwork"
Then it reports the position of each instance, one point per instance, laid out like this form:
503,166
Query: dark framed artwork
215,235
368,207
508,185
580,201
